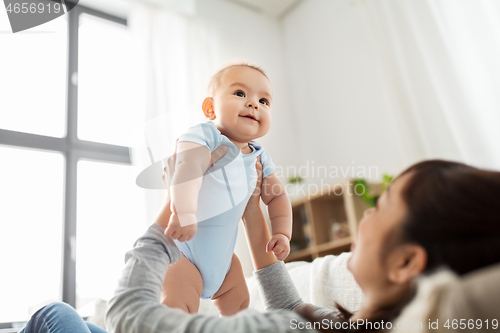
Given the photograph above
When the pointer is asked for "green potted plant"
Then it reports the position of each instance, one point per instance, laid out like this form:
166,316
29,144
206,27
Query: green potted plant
367,195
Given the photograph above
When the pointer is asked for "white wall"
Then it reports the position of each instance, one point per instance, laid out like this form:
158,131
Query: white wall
335,93
245,34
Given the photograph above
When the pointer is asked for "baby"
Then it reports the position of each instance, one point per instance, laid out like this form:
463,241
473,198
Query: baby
239,110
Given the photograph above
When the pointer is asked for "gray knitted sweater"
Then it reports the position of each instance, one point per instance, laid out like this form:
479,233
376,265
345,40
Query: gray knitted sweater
136,306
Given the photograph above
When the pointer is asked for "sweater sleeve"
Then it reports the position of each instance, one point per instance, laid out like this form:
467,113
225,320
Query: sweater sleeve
279,292
136,305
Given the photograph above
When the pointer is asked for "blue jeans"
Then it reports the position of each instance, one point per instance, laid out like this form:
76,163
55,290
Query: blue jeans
59,318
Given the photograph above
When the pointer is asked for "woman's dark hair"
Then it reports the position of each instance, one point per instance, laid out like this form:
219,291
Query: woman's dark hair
453,213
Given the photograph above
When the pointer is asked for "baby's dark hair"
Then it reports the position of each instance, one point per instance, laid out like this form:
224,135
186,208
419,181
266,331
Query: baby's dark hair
216,79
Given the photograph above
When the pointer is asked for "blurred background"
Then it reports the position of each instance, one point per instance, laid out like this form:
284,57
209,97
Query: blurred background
358,85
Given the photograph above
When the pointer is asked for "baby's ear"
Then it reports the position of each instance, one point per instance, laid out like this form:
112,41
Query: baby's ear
208,108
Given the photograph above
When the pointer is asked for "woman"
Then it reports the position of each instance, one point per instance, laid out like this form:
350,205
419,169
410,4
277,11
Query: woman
435,214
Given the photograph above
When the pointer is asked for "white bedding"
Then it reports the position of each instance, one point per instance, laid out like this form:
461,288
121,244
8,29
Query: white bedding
323,282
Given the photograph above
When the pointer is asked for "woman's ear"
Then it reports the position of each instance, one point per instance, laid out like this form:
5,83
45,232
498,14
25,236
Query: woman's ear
208,108
406,262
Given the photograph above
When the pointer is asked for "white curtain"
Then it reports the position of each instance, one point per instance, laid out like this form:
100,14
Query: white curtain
175,56
440,64
176,62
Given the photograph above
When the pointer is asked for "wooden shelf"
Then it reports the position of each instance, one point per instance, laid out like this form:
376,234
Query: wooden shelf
335,244
299,255
318,220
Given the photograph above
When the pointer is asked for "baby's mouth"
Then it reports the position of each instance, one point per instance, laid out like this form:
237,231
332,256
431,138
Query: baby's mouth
249,116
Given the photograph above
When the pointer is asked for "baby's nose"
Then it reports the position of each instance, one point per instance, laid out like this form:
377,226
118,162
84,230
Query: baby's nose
253,105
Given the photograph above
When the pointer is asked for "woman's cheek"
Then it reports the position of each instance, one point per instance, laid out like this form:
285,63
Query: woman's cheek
362,226
349,263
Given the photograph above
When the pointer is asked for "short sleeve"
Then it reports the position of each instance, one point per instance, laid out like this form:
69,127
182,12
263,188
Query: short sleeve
268,166
205,134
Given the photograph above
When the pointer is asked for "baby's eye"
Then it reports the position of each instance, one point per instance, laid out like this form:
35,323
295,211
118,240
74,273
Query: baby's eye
264,101
240,93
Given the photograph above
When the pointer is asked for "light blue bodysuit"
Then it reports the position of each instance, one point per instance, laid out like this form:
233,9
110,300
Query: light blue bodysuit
225,191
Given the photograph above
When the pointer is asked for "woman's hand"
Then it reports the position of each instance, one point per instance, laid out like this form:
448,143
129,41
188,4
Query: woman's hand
256,228
165,213
182,233
254,202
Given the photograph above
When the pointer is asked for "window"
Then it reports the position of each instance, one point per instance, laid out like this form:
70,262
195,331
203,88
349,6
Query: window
67,112
30,245
33,80
107,203
106,95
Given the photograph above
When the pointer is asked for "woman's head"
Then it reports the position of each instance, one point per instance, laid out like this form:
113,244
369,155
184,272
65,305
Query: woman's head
436,213
453,214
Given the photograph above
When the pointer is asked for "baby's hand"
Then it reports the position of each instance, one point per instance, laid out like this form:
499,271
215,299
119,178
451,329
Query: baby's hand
176,231
280,245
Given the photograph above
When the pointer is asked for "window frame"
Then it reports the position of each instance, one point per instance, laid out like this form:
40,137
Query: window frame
73,149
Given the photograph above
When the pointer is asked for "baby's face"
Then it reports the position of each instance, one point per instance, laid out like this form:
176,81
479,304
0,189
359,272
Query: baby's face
242,104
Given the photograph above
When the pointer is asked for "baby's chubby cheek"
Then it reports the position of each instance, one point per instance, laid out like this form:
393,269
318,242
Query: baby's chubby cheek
265,126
